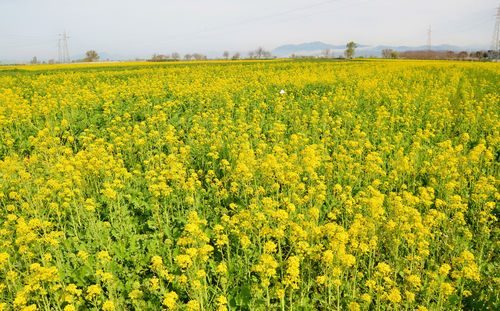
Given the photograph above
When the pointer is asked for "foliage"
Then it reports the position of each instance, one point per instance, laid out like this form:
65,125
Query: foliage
350,47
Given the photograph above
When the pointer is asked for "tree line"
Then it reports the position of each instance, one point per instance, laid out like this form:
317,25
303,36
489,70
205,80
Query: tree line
259,53
449,55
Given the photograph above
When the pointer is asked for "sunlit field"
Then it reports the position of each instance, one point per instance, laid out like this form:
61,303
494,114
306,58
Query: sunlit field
365,185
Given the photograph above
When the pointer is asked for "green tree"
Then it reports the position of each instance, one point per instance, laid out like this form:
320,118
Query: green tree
387,53
92,56
349,51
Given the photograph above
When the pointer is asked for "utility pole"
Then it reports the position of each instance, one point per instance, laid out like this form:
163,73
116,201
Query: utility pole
495,42
429,33
63,52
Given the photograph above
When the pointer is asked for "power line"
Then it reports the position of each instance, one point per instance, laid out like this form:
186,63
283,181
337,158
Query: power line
276,18
231,26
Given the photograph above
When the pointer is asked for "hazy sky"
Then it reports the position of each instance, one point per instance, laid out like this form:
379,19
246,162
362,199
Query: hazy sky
141,28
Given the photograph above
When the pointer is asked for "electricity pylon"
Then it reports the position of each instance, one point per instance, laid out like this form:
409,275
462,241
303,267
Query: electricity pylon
429,33
62,48
495,42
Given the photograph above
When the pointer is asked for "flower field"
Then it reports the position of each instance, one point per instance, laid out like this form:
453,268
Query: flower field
368,185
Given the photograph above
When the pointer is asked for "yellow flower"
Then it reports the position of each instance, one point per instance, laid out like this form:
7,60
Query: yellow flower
73,289
446,289
93,291
170,300
320,280
383,268
184,261
414,280
292,277
69,308
394,296
410,297
192,305
108,306
154,283
327,257
221,302
269,247
444,269
156,262
31,307
83,254
4,257
366,298
221,268
104,256
353,306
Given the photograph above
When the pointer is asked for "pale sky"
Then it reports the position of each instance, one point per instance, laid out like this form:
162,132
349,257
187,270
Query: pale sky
140,28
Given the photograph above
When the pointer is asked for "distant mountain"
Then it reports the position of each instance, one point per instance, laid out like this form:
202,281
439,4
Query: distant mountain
316,48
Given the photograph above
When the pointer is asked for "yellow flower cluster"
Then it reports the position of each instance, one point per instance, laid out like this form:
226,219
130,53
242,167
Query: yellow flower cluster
368,185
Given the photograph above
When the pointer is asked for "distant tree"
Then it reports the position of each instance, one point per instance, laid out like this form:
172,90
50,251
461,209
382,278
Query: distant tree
197,56
425,54
236,56
92,56
51,61
492,54
188,57
226,55
450,55
479,54
349,51
327,53
462,55
34,61
176,56
159,57
259,53
386,53
394,54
